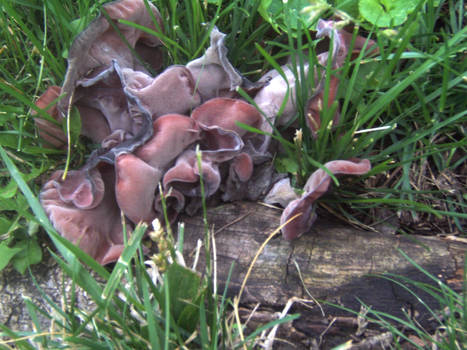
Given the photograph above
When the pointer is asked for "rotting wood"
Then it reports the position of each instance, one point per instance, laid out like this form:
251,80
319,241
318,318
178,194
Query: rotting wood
332,259
333,262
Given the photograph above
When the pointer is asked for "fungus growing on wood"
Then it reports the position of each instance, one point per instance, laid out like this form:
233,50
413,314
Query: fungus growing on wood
174,205
282,193
149,127
317,184
226,112
74,208
83,188
135,188
157,94
213,73
106,40
172,133
281,87
184,176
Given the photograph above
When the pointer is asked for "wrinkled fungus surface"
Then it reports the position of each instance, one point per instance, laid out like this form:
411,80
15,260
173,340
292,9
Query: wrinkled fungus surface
149,128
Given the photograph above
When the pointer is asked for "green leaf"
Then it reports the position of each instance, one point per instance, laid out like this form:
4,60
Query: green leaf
285,15
386,13
286,165
9,141
348,6
74,125
366,79
5,225
30,254
184,287
9,190
6,254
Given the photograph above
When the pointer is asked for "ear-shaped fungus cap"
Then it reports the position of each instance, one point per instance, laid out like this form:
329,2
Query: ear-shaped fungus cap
116,138
173,133
51,133
99,44
242,167
225,112
316,186
97,229
106,98
184,176
271,97
219,145
213,73
342,42
93,124
136,187
222,114
315,106
84,189
240,171
282,193
172,91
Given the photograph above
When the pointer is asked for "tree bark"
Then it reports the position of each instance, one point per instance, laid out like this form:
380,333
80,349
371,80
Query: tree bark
332,263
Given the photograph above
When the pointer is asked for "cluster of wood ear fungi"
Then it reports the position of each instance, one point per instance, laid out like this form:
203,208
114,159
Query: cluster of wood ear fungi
159,135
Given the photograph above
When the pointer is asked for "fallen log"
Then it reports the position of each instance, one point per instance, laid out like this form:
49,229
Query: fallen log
332,263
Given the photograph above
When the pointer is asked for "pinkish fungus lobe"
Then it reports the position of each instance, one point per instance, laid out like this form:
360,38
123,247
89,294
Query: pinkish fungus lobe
135,187
97,229
49,131
149,125
317,184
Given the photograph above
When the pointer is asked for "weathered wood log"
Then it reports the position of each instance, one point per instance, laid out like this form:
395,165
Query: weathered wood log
332,262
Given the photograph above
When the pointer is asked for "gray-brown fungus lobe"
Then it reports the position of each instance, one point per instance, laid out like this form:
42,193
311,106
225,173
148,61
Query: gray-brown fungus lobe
155,129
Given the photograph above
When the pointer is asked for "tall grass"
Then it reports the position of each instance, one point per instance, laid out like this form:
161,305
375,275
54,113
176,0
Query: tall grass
401,109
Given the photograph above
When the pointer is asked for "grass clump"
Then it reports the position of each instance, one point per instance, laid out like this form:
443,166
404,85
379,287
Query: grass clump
400,109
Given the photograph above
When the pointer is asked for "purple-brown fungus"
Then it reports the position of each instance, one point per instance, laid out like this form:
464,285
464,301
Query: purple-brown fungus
299,213
160,134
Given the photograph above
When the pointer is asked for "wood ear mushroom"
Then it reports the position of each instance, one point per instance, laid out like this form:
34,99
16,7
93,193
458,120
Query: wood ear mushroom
154,130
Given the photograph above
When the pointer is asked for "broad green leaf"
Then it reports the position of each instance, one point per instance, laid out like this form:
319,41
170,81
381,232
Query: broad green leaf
350,7
4,225
7,253
30,254
366,80
184,287
386,13
8,140
283,15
